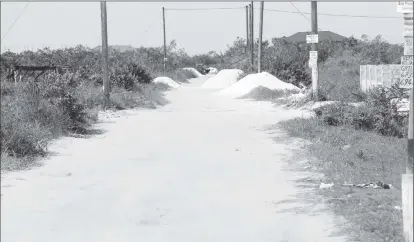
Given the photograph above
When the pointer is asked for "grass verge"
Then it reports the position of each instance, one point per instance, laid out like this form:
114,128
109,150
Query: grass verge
346,155
32,116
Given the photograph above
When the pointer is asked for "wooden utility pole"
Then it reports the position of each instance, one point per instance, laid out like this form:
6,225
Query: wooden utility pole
259,63
165,40
252,35
406,8
315,71
247,29
105,61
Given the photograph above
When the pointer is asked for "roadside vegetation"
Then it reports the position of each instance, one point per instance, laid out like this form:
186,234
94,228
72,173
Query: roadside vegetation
67,101
362,143
357,137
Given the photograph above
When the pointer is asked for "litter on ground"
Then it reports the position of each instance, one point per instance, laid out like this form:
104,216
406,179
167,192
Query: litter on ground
326,185
223,79
252,81
168,81
378,185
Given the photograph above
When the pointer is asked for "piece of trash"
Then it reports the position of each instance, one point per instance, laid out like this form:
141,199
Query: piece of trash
326,185
398,208
378,185
346,147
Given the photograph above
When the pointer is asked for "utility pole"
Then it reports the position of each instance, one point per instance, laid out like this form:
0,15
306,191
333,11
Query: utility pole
105,61
406,8
259,64
315,71
252,35
247,29
165,40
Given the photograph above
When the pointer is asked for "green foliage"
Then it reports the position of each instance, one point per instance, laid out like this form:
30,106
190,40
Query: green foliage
379,113
57,103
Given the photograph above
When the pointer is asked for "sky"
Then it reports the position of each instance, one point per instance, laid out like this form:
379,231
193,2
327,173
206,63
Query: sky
66,24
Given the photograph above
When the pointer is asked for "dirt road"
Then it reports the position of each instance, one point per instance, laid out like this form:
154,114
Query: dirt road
200,169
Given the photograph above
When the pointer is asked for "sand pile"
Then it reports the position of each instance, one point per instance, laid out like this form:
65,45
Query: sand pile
193,71
166,80
252,81
223,79
261,93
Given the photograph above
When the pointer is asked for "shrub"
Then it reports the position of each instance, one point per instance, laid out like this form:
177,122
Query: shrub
126,75
379,112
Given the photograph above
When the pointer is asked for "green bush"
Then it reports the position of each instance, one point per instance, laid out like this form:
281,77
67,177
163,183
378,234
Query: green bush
379,113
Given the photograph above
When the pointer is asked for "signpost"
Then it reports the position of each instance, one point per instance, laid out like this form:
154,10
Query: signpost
408,45
408,30
406,8
407,60
312,39
406,76
313,59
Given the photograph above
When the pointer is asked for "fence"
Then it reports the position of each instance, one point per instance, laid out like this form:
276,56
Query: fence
379,75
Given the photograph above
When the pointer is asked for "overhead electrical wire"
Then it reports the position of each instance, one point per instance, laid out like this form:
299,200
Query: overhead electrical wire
21,13
335,15
201,9
302,14
285,11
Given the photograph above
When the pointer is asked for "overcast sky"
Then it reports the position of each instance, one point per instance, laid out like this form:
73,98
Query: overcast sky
64,24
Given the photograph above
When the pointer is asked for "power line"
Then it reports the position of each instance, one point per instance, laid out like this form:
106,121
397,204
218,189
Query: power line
303,14
299,11
21,13
335,15
201,9
285,11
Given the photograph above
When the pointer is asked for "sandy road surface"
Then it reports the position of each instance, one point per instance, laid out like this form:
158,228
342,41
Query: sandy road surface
199,169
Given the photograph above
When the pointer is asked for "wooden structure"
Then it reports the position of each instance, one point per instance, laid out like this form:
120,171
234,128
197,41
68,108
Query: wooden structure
17,73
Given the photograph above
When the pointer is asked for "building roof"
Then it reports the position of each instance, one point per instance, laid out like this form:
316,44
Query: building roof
300,37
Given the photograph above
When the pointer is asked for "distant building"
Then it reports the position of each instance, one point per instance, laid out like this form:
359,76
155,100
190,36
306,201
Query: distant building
300,37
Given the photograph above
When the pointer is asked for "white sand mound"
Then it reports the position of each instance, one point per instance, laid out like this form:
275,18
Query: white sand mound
252,81
223,79
194,71
166,80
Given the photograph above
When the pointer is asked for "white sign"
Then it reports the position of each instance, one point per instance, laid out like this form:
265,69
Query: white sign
405,7
407,60
313,59
408,31
408,18
408,46
406,76
312,39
